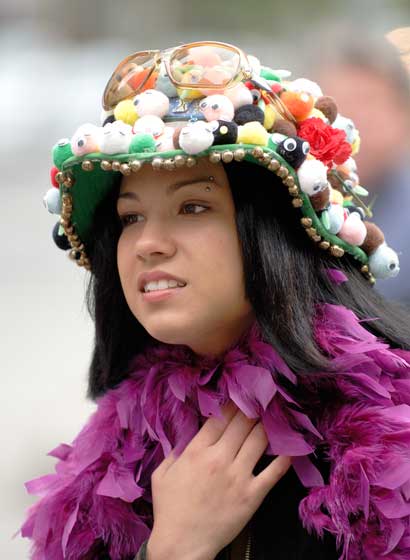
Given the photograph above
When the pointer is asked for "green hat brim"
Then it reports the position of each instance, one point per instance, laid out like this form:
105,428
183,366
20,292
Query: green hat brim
90,187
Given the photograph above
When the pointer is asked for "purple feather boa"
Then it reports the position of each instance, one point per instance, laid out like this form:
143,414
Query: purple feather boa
101,489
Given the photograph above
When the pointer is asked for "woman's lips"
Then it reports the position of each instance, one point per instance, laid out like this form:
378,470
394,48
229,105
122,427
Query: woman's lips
159,295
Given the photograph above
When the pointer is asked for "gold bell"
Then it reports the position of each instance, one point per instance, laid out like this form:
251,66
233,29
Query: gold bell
87,165
215,157
336,251
179,161
116,165
125,169
157,163
297,202
239,154
105,165
306,222
227,156
274,165
190,161
135,165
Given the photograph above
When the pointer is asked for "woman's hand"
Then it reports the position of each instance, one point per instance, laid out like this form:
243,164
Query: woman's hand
205,497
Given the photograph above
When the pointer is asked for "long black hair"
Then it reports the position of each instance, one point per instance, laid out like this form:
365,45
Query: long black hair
284,278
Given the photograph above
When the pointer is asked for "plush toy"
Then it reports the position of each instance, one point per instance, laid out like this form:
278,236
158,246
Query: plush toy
327,105
151,102
149,124
164,84
52,201
321,199
125,112
165,142
343,123
116,138
353,229
253,133
294,150
300,104
217,107
335,216
60,238
225,132
303,85
312,175
249,113
62,151
141,143
196,137
86,139
239,95
282,126
384,262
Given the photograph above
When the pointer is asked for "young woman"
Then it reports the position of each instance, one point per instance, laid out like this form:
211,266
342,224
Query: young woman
252,387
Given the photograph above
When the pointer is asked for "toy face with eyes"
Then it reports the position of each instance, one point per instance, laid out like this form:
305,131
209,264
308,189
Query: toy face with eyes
294,150
86,140
150,124
217,107
116,138
196,137
151,102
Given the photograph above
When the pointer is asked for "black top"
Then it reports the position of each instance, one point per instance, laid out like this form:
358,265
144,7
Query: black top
276,530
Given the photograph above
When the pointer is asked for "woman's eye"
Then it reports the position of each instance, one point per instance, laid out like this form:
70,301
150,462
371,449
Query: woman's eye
191,205
128,219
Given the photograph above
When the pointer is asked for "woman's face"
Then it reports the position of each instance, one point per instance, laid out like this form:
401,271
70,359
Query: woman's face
182,223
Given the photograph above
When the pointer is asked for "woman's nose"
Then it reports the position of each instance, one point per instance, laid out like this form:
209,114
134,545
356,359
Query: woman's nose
154,239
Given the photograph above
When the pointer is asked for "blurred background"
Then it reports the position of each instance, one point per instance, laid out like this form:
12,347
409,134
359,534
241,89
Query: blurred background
55,59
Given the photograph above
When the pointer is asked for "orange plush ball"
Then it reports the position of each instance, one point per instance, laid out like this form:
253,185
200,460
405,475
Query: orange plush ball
300,104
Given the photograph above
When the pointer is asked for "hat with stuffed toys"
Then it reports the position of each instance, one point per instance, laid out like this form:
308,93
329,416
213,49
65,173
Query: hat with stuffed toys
209,99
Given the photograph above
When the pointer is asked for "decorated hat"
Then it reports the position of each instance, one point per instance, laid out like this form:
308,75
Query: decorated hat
209,99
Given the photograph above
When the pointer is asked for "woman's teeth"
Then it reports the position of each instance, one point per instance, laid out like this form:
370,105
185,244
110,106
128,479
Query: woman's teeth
162,285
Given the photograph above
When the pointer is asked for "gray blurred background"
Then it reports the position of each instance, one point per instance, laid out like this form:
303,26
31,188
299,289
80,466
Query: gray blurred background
55,59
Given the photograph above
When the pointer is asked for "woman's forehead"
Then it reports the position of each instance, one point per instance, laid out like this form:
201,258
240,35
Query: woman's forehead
147,177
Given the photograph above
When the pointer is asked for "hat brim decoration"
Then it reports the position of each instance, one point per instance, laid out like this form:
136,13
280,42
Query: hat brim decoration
285,126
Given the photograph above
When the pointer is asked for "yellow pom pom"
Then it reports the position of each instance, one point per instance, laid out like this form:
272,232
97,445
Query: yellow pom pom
356,145
336,197
270,117
125,112
189,94
317,114
253,133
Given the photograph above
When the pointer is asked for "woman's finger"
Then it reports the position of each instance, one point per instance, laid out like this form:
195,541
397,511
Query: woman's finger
213,428
267,479
252,449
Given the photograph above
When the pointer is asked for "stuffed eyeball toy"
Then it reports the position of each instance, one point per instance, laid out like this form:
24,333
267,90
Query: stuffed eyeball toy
86,139
151,102
150,124
52,201
312,175
384,262
116,138
217,107
294,150
196,137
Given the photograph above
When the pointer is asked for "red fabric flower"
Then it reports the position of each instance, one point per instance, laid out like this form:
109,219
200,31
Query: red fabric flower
327,144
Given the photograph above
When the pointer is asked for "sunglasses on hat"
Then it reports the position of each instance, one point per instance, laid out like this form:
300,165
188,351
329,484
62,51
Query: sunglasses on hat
207,65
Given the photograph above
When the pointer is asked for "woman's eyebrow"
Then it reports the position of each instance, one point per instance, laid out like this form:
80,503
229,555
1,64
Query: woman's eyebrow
171,188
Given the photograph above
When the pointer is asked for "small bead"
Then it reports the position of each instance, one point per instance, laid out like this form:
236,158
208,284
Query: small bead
336,251
258,152
289,181
239,154
157,163
324,245
297,202
306,222
190,161
364,269
274,165
215,157
125,169
169,164
105,165
180,161
87,165
282,172
116,165
135,165
227,156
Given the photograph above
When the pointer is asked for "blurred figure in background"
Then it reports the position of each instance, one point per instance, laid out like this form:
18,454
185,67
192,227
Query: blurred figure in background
372,87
